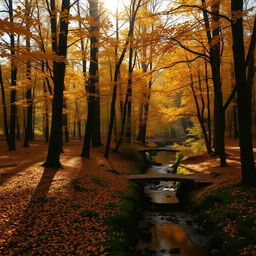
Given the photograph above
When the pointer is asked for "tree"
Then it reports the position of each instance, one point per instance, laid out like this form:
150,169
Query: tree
93,112
28,125
243,96
213,37
59,47
5,119
135,5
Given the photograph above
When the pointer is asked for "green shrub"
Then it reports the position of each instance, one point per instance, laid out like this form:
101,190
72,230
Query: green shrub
123,224
89,214
130,151
76,185
228,205
99,181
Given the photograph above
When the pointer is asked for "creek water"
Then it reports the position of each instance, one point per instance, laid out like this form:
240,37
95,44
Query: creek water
165,227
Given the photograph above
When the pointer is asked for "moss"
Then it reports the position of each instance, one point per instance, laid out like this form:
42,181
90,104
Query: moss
89,214
225,214
76,185
123,224
99,181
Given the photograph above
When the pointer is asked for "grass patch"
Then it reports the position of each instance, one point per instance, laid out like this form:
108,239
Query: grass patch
137,168
89,214
111,205
43,199
130,151
76,185
229,213
99,181
123,224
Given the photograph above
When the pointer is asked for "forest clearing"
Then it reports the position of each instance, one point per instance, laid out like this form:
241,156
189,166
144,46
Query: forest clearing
93,91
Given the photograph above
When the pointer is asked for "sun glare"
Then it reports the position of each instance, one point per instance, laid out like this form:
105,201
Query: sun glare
112,5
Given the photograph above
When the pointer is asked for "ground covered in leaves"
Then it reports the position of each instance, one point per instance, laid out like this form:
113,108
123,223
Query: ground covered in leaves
62,212
226,208
57,212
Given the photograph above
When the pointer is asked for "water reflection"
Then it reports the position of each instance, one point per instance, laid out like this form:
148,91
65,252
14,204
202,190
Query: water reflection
167,233
164,157
163,192
168,239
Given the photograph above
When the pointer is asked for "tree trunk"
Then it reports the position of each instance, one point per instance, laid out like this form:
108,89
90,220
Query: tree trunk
214,45
55,144
92,81
243,105
250,66
13,111
65,121
208,106
135,8
146,105
28,128
5,120
128,132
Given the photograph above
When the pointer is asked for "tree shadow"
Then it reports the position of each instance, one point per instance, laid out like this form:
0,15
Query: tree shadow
23,239
19,164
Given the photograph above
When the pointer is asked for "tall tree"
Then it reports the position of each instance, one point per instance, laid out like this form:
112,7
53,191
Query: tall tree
135,5
5,118
28,125
13,111
213,36
243,96
93,111
59,47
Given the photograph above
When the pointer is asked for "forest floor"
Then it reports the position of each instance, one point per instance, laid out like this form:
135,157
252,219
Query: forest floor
61,212
225,207
57,212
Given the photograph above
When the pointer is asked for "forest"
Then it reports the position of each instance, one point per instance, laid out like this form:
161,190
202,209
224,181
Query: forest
86,84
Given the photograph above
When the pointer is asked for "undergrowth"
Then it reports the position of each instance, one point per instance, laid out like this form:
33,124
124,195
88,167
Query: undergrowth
230,215
123,224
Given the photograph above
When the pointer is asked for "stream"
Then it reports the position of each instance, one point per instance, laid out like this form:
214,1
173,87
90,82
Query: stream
165,228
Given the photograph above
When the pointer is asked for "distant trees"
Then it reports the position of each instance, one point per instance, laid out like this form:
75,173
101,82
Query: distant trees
134,7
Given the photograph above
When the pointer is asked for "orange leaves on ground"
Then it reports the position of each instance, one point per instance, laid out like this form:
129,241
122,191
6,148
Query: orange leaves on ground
59,212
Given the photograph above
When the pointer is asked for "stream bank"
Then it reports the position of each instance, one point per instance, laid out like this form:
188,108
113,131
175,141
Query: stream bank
166,225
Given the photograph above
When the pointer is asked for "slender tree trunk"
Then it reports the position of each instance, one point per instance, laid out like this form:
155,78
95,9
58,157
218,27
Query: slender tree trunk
214,45
92,81
146,105
46,115
18,125
65,121
28,128
243,105
46,106
13,111
5,119
208,106
200,116
134,7
128,132
120,139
